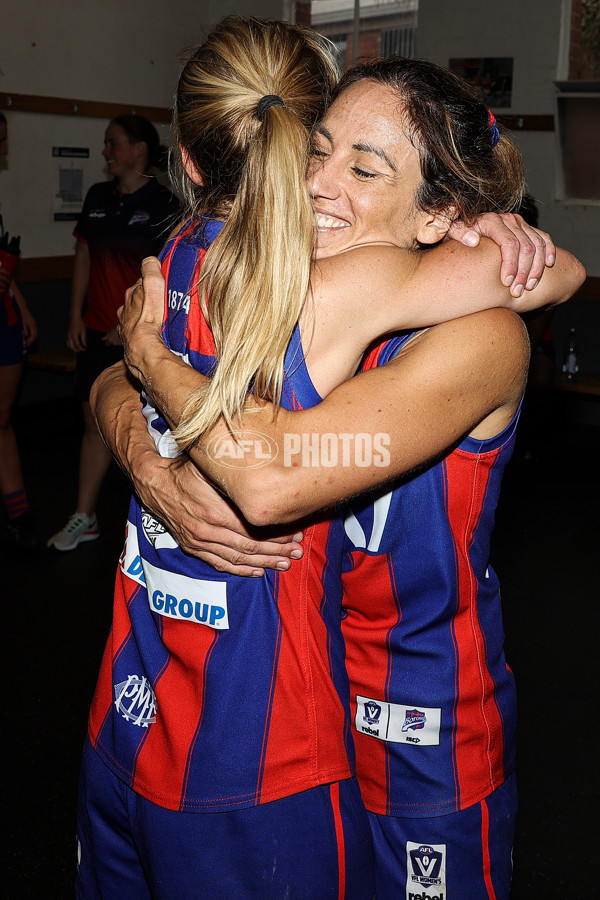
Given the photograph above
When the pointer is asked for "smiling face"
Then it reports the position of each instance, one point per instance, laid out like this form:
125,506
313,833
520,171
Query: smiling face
364,174
123,157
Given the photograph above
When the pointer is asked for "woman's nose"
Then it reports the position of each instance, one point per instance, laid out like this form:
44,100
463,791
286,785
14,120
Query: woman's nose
321,178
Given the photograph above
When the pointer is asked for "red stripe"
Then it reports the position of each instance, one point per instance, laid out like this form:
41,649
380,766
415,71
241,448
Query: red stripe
366,628
477,712
485,849
334,791
306,729
170,749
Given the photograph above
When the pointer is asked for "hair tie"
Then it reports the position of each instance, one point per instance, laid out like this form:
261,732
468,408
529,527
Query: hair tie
265,102
493,128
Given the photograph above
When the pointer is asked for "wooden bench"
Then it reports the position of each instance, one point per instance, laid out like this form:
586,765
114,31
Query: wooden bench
61,360
585,383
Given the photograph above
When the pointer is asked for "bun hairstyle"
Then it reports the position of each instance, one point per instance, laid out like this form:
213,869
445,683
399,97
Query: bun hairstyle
250,170
468,163
137,129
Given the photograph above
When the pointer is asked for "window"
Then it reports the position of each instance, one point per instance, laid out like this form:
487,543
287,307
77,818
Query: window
578,105
398,42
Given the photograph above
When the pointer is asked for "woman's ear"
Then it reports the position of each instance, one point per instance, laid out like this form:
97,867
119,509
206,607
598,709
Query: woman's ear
434,226
190,168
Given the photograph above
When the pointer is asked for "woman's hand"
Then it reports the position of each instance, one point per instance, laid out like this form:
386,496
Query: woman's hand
111,338
526,251
29,327
141,316
204,523
76,334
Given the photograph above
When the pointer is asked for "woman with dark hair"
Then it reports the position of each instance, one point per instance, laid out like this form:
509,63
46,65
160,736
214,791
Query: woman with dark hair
17,331
122,221
403,150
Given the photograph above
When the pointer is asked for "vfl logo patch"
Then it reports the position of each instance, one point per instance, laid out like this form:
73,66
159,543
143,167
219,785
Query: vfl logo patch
140,217
414,719
156,532
372,712
425,868
397,723
135,701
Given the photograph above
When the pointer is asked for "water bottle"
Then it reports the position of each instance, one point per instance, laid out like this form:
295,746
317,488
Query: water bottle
570,366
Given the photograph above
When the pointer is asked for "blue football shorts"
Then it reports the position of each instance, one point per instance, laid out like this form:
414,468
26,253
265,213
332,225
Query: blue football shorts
465,855
315,845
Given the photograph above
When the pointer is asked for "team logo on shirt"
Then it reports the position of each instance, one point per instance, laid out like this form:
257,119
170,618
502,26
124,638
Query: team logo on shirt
414,719
156,532
372,713
426,869
398,723
140,217
136,701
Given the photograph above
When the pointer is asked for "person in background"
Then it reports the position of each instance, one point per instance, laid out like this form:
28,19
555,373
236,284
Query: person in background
122,221
17,331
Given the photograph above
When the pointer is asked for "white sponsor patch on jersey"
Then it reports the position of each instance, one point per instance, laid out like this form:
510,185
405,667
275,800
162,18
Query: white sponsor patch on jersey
425,870
399,724
172,595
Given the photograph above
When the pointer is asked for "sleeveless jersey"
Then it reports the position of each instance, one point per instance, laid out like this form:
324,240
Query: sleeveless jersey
433,701
218,692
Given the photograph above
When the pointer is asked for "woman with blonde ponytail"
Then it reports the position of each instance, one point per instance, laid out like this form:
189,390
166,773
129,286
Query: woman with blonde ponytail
246,102
219,762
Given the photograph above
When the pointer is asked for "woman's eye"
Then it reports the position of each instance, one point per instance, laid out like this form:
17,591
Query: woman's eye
316,151
362,174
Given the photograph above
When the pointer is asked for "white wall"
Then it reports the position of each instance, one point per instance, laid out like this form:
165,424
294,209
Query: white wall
530,32
100,50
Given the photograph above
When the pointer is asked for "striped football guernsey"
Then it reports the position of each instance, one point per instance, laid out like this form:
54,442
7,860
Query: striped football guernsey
433,701
218,692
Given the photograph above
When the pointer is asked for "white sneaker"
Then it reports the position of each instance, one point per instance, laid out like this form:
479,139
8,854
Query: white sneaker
78,529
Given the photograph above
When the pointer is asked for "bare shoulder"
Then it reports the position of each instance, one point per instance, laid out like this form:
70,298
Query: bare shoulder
485,347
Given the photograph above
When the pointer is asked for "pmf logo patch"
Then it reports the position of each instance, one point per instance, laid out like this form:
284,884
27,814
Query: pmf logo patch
135,701
414,720
372,712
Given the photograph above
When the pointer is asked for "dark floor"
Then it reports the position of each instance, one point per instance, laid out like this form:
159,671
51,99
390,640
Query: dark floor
57,612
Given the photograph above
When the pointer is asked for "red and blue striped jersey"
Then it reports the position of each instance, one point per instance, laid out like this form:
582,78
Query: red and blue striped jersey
218,692
433,700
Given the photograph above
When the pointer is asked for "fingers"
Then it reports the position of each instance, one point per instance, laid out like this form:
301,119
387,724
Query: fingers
223,559
217,563
458,231
240,550
525,250
531,258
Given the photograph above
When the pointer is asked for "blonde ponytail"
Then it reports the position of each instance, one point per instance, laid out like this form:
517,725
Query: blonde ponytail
256,272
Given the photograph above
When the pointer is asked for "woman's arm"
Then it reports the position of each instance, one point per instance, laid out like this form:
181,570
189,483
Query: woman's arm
203,522
81,275
403,289
29,323
440,388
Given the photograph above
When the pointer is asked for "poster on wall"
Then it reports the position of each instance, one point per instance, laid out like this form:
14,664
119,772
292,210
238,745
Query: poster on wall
68,198
492,75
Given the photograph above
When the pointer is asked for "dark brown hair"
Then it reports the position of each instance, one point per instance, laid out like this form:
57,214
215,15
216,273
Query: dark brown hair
448,124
